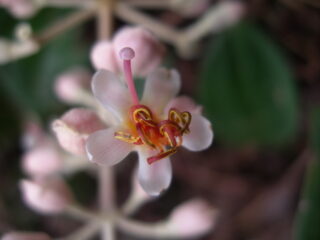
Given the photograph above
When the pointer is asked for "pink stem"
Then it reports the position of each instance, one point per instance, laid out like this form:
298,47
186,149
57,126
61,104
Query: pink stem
130,82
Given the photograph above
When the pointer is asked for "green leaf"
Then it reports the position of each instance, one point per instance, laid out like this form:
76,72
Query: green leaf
247,89
308,217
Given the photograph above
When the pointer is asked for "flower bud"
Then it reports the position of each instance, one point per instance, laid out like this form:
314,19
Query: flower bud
74,127
191,219
149,51
42,160
25,236
32,135
70,85
103,56
227,13
48,196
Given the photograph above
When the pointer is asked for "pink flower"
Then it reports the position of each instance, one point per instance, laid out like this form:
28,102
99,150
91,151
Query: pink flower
154,126
103,54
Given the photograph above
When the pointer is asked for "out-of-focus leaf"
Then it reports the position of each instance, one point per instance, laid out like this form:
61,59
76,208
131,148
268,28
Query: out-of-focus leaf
29,81
308,217
247,89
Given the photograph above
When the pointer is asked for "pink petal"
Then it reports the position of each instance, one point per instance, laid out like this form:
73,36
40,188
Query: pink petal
103,148
156,177
200,136
74,127
184,103
161,86
111,93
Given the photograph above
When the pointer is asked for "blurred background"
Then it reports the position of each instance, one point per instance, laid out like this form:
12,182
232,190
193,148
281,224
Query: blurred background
258,82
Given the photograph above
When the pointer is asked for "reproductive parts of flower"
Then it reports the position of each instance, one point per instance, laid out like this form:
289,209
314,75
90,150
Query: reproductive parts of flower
144,128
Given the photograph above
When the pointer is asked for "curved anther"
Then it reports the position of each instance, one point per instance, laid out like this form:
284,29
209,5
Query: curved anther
127,137
161,155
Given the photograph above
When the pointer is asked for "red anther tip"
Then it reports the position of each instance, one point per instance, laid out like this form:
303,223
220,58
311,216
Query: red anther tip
126,53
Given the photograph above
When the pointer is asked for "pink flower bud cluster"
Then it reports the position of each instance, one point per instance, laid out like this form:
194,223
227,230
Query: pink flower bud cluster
21,8
104,54
45,191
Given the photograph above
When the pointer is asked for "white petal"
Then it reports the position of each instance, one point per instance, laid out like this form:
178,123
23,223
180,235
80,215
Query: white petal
103,148
156,177
111,92
161,86
200,136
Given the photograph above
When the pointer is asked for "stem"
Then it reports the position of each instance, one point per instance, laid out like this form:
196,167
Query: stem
70,3
150,4
215,19
105,19
85,232
163,31
63,25
145,230
82,214
106,191
106,176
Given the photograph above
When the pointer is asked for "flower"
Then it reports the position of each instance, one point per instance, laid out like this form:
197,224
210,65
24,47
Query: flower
103,54
154,127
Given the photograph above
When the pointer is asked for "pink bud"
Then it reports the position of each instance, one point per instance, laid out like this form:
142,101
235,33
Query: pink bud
70,85
192,219
25,236
228,13
46,196
33,134
74,127
42,160
103,56
149,51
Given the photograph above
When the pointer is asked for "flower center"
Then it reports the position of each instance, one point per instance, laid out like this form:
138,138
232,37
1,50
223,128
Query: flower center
164,136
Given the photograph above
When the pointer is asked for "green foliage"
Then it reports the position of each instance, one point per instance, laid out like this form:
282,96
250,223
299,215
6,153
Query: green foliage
29,81
308,217
247,89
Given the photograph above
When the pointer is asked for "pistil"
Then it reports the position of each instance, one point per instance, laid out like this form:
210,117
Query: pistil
126,54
